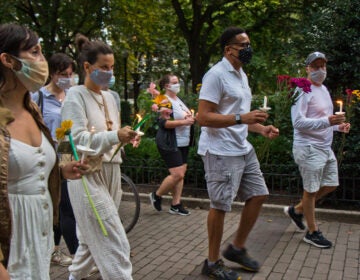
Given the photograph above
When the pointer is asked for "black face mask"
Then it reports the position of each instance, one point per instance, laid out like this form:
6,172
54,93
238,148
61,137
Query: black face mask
245,55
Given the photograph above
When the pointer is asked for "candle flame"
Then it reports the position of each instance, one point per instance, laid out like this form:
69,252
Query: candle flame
192,112
339,102
139,117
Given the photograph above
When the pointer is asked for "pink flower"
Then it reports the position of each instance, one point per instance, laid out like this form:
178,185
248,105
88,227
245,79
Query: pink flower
302,83
152,90
154,108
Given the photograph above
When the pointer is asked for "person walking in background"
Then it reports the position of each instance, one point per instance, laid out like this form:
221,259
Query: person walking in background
230,163
174,152
96,124
49,99
314,124
29,166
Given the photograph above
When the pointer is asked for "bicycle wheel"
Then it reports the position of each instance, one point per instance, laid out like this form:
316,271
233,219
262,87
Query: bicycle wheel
129,209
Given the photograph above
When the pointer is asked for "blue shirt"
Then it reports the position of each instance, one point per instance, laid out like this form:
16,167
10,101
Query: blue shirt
51,110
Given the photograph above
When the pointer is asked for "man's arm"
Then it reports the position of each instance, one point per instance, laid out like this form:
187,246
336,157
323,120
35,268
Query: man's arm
267,131
208,116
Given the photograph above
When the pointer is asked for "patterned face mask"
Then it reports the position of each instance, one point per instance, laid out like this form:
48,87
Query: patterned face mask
33,74
245,55
101,78
65,83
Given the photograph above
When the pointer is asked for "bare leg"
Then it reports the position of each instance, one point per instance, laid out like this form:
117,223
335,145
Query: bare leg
171,181
215,225
321,193
178,188
308,202
249,216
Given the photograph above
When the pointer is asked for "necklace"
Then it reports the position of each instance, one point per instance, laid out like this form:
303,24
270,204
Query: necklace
108,122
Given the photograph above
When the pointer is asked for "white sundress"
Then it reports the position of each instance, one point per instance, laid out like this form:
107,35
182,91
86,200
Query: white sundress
32,239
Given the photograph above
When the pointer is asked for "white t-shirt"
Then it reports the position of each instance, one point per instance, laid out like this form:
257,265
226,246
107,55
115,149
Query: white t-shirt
229,89
180,110
310,118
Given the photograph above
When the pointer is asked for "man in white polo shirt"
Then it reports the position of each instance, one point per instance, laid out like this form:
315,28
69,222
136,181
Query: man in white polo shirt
230,162
314,124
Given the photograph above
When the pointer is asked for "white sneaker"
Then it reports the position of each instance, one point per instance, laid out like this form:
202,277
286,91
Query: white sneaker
93,271
60,258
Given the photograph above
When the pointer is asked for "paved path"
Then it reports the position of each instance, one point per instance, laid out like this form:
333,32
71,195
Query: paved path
165,246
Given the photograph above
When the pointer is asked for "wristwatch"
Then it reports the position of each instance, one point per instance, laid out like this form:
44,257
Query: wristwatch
238,118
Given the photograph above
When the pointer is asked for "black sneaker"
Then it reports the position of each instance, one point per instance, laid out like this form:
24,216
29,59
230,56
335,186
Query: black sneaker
296,219
178,209
241,257
155,201
219,271
317,239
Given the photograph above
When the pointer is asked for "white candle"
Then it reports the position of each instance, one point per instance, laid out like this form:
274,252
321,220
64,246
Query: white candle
340,104
139,120
92,131
265,102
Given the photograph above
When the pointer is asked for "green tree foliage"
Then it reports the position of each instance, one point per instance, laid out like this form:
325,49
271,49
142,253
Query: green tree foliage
57,21
333,27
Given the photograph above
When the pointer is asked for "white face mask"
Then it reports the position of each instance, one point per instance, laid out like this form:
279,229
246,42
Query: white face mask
318,76
175,88
64,83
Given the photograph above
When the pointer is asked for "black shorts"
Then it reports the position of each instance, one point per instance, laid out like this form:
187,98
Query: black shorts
175,159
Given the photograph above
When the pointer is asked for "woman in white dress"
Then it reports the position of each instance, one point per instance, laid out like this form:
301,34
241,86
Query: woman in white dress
91,108
32,189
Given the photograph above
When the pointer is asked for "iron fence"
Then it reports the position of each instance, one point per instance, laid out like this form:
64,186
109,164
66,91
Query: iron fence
283,181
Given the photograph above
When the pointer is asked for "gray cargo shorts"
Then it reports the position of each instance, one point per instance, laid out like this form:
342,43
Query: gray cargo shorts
318,167
229,176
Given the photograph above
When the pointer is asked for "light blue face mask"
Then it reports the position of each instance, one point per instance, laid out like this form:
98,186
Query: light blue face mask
112,81
76,79
101,78
64,83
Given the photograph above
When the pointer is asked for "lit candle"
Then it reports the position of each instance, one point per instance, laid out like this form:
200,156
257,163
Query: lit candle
265,102
340,104
139,120
192,112
140,123
92,131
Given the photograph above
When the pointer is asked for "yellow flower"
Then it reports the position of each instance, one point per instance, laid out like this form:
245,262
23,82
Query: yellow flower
64,129
66,125
60,133
162,101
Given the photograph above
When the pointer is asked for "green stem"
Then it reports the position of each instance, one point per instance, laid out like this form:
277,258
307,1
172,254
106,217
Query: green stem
140,123
103,229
